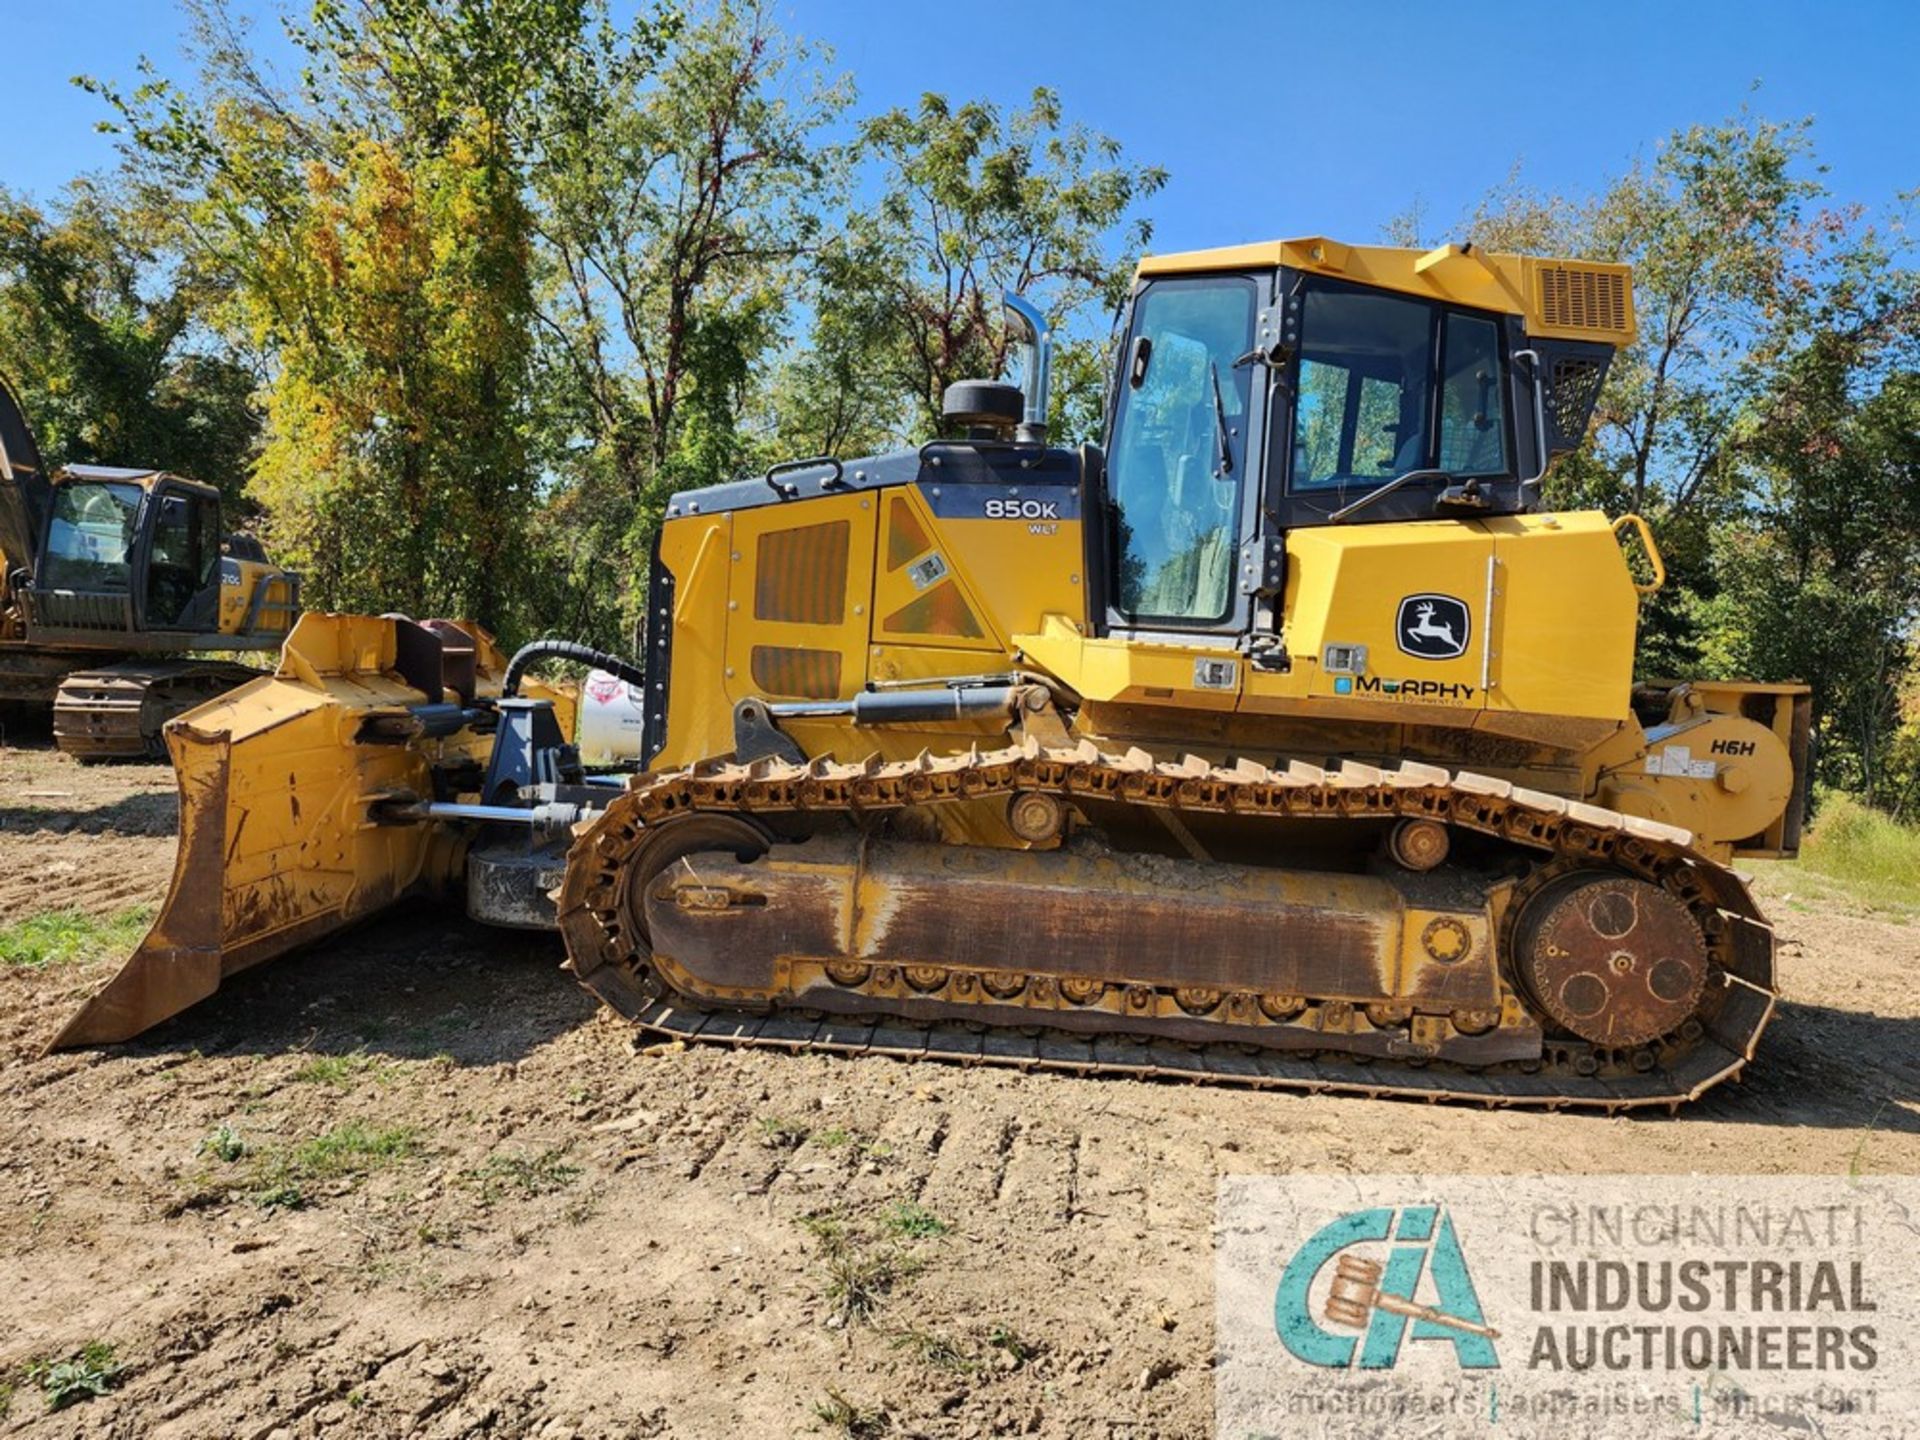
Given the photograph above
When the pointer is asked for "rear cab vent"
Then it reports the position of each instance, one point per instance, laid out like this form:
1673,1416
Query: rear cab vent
1575,297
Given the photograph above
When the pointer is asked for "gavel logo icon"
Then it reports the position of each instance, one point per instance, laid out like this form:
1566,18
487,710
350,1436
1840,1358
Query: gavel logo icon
1356,1295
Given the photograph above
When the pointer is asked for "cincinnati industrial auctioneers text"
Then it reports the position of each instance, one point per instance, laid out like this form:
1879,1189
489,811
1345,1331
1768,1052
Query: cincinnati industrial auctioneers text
1720,1306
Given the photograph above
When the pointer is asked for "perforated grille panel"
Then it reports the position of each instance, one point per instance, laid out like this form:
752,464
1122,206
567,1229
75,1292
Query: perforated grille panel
1573,386
788,670
1580,299
802,575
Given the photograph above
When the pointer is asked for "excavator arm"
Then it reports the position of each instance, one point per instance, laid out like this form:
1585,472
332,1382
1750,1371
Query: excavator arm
26,494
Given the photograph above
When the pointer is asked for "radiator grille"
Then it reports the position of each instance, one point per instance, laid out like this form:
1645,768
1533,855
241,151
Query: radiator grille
802,575
1579,299
806,674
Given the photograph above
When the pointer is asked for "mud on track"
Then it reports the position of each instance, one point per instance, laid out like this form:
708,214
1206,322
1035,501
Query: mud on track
568,1236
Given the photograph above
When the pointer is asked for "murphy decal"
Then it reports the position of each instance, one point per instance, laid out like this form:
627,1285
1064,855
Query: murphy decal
1428,692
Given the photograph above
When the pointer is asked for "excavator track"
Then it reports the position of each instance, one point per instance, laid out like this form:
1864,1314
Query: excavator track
117,712
1723,1016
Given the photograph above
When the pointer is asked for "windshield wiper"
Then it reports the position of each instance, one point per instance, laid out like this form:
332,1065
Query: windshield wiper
1220,420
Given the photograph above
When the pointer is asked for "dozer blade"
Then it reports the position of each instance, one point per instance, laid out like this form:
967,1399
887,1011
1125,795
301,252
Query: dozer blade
279,843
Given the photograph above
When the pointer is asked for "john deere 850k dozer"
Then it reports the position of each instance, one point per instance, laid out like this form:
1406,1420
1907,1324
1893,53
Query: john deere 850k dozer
1282,740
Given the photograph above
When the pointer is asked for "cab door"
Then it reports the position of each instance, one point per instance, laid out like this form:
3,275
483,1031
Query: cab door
181,588
1180,467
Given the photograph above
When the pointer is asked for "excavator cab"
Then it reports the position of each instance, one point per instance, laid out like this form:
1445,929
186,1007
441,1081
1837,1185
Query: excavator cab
108,577
129,550
139,556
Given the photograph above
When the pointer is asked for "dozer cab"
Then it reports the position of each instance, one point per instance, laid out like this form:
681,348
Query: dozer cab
112,581
1280,740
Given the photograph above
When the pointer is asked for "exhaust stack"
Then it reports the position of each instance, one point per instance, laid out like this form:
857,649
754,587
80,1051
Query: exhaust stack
1034,336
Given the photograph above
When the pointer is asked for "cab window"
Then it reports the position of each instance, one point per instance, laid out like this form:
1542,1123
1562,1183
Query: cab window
1365,406
1473,422
1362,406
90,536
1180,432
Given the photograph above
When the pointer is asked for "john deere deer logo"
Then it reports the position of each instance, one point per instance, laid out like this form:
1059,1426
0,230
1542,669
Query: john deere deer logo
1433,627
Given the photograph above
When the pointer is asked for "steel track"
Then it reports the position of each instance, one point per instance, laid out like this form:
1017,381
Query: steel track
1712,1047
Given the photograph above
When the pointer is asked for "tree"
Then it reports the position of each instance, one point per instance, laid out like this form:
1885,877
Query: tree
371,234
678,180
1764,419
102,329
972,202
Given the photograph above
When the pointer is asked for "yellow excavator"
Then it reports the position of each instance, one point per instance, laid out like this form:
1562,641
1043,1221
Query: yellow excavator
116,586
1281,740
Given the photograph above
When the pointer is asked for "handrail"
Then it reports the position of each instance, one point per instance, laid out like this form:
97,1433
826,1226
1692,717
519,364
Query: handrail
1653,552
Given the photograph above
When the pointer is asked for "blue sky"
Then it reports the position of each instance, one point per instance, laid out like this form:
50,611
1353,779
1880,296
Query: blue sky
1292,118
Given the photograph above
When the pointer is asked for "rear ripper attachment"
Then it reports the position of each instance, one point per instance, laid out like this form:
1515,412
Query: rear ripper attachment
1607,966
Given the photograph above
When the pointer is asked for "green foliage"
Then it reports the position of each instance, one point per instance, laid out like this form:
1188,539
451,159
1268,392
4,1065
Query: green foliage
224,1144
1765,420
282,1177
678,183
528,1175
512,271
103,325
913,1220
340,1071
61,937
973,201
86,1375
1874,857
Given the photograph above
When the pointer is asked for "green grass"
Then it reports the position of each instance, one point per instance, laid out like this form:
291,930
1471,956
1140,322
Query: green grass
282,1178
224,1144
340,1071
859,1269
1871,856
61,937
529,1175
86,1375
858,1422
913,1220
935,1350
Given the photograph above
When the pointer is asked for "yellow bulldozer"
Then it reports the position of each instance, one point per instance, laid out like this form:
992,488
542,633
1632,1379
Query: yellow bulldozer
1281,740
116,586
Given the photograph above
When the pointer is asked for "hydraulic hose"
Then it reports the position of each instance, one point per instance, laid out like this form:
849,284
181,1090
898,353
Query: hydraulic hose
566,650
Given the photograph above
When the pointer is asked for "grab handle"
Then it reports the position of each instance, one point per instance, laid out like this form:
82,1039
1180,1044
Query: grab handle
1646,543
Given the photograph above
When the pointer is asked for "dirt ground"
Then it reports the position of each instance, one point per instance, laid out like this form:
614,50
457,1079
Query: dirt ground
418,1184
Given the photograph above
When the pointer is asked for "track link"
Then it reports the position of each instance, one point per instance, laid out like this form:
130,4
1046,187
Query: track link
117,712
1712,1046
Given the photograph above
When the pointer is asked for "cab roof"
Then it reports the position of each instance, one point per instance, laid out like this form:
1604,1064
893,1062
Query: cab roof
1558,299
122,475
